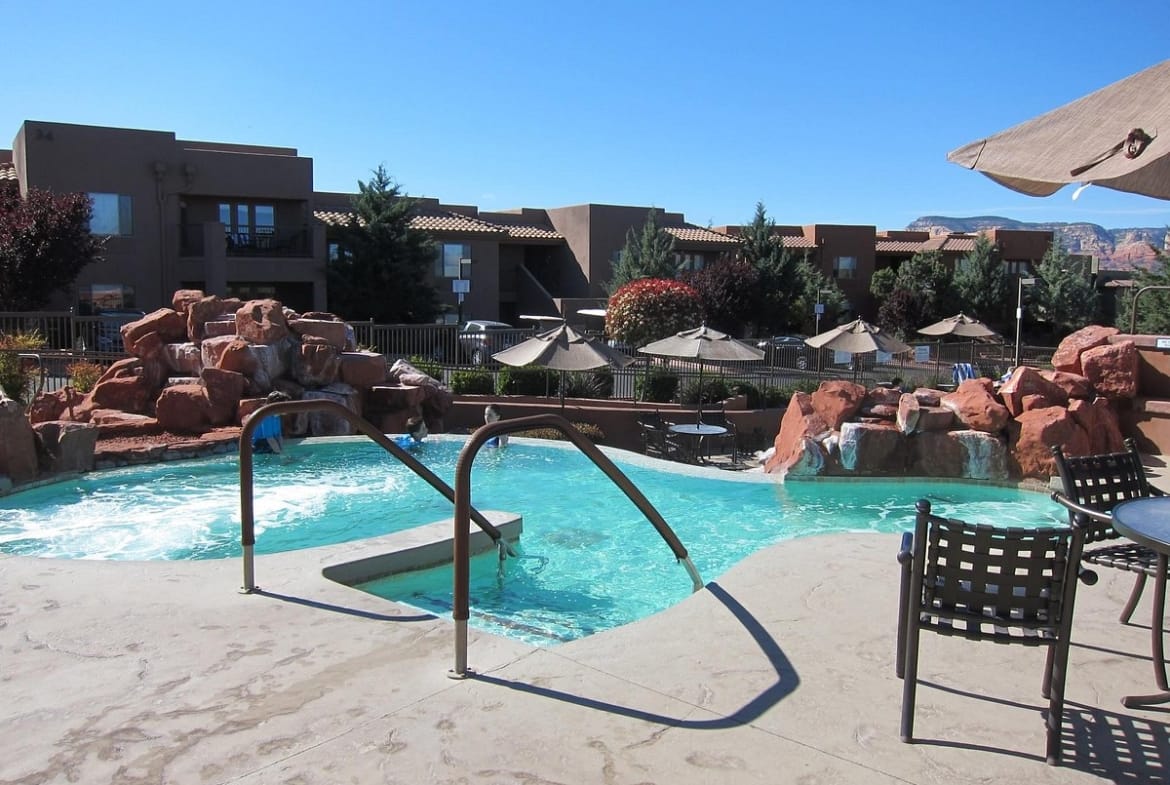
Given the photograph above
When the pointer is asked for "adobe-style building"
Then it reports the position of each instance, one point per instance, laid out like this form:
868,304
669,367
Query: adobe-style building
229,218
244,220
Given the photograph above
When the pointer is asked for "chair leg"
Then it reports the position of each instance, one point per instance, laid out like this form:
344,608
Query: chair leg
1135,594
909,683
1058,655
1046,685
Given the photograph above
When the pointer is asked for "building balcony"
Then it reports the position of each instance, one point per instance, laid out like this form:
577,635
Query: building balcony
264,241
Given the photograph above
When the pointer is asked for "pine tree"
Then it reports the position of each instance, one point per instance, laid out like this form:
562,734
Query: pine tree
1154,306
981,284
646,254
384,269
1064,296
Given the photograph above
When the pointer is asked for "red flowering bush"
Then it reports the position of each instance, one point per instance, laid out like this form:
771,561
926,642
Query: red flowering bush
651,308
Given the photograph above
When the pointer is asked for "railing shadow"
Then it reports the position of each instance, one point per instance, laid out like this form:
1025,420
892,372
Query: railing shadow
325,606
787,680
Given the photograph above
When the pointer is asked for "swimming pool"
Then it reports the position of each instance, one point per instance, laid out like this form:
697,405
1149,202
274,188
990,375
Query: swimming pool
588,560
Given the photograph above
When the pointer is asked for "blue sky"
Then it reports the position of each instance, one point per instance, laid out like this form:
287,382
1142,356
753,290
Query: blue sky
827,112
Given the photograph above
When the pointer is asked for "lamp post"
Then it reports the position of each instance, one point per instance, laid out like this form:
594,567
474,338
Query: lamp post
1020,312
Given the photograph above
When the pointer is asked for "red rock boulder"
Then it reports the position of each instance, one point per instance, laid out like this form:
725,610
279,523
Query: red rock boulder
1068,355
869,449
1032,436
18,443
183,408
1112,369
975,406
797,446
1074,385
316,363
209,309
363,369
261,321
1100,423
169,325
836,402
182,298
224,390
66,446
1026,381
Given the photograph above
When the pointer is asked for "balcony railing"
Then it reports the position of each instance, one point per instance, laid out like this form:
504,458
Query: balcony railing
259,241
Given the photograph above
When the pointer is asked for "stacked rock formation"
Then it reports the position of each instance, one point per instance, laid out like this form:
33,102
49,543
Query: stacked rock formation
976,431
208,362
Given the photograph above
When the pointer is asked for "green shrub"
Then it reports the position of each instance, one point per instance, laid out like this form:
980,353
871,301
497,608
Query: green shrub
714,390
588,430
590,384
527,381
741,387
659,387
428,366
15,378
472,383
776,397
83,375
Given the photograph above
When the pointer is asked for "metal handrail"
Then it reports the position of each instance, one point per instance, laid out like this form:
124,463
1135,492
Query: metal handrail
461,609
1133,305
247,514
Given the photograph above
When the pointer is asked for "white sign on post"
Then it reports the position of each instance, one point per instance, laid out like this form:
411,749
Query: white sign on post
819,309
460,286
922,354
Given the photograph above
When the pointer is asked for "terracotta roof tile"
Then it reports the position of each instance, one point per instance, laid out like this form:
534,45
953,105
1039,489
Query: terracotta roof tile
959,244
798,242
695,234
431,220
8,171
898,246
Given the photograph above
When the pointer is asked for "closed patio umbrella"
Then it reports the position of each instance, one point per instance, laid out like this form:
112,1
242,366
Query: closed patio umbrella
705,345
1112,138
562,349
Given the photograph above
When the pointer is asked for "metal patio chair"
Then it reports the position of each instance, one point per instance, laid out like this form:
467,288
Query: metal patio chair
656,437
1092,486
988,583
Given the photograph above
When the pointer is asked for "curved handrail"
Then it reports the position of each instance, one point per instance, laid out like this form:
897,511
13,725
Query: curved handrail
247,513
461,609
1133,305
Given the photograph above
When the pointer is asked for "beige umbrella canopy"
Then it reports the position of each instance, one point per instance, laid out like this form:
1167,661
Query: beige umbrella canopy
562,349
959,325
857,337
1111,138
705,345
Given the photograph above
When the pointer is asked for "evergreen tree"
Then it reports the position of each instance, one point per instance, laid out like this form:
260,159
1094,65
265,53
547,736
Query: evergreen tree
727,290
1154,307
646,254
384,269
788,283
1064,295
916,294
44,244
981,285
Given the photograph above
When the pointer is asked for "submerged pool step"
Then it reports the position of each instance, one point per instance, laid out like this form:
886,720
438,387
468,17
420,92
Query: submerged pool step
417,548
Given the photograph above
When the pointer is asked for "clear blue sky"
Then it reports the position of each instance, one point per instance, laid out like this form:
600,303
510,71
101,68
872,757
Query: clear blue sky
829,112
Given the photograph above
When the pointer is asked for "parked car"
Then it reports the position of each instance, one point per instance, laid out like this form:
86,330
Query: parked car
479,339
787,351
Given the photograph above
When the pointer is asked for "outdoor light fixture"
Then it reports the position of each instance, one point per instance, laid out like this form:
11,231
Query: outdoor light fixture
1020,312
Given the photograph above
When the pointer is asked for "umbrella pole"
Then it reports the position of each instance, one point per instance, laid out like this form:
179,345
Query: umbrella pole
561,389
938,361
699,406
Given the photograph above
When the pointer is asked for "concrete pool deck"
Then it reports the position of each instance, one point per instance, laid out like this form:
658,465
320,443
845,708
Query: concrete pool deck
781,670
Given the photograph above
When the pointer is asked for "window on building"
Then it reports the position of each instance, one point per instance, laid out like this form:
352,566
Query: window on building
248,225
112,215
690,262
1017,268
96,297
450,259
845,267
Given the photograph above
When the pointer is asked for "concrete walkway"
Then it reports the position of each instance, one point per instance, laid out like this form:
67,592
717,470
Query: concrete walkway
779,671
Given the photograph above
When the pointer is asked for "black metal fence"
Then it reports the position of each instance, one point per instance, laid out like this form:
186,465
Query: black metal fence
66,338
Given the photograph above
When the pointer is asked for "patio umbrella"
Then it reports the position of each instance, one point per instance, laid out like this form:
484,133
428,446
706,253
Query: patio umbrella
1109,138
562,349
959,325
857,337
705,345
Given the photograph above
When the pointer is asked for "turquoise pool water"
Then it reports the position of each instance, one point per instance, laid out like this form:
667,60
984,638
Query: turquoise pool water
587,561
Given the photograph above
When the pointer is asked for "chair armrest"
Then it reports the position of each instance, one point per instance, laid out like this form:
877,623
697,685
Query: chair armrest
1156,491
906,551
1081,514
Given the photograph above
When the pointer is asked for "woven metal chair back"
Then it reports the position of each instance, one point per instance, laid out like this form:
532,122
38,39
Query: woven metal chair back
1101,482
993,583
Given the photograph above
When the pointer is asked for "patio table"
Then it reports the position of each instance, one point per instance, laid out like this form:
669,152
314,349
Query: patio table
1147,522
699,432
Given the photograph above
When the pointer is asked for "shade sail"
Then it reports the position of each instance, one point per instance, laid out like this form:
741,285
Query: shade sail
959,325
703,343
1117,137
563,349
856,337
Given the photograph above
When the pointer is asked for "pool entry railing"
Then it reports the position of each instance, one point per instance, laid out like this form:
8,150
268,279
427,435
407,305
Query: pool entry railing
461,610
247,512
